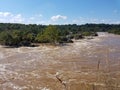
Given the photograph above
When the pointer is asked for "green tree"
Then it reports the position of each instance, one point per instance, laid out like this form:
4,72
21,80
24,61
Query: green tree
50,35
6,38
17,37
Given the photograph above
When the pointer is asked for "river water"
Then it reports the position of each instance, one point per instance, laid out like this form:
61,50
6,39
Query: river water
83,65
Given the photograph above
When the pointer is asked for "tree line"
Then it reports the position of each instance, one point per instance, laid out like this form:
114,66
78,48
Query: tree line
26,35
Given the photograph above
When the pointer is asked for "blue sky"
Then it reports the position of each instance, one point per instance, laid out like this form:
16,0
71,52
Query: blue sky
60,11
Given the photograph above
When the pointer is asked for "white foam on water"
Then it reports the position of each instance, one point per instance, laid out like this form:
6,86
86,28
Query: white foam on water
45,88
1,55
13,86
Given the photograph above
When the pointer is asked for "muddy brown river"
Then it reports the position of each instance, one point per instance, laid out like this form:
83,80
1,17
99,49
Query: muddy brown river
83,65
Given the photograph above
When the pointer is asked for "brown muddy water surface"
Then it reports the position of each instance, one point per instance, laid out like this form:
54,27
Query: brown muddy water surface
83,65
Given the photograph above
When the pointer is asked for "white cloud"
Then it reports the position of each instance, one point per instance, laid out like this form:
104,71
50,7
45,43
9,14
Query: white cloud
58,17
83,20
35,19
32,18
8,17
17,19
5,14
116,11
39,15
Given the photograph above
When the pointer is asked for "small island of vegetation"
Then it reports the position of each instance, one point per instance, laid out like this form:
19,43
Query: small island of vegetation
28,35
